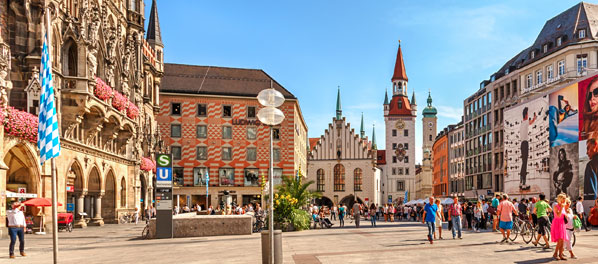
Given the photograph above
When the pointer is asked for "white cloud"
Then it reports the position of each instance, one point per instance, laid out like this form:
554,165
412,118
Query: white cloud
454,113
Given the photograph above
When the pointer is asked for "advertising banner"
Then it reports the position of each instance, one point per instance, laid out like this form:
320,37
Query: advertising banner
588,105
527,148
564,169
588,168
564,116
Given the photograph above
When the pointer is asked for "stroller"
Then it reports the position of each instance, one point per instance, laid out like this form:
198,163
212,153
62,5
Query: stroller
65,222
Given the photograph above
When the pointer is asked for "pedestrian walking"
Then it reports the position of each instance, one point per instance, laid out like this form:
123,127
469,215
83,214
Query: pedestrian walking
16,229
532,207
478,214
505,211
334,212
570,216
372,212
495,203
469,214
541,210
356,211
341,215
558,229
385,210
579,211
455,213
429,218
439,219
485,206
136,214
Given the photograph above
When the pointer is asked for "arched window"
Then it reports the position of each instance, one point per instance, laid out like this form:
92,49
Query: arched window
123,193
320,180
69,59
357,180
339,178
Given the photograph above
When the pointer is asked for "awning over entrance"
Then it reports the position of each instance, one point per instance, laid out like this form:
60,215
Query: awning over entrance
10,194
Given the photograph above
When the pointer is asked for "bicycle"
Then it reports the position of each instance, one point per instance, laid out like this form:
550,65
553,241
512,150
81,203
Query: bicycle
258,226
523,228
146,230
546,231
125,218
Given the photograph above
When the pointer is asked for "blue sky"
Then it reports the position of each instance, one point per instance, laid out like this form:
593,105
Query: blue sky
311,47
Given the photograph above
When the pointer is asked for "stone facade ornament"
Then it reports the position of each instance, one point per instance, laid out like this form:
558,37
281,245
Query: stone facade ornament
5,83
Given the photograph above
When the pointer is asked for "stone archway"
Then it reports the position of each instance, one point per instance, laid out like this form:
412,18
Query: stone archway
324,201
109,199
93,200
23,174
77,196
349,200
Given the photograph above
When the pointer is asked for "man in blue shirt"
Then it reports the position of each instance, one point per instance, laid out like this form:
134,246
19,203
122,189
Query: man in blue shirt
430,211
495,203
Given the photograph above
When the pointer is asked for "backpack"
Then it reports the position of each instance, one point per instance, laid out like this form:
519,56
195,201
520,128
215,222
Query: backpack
492,210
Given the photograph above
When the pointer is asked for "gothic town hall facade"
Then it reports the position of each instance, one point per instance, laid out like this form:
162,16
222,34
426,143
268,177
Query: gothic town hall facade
107,71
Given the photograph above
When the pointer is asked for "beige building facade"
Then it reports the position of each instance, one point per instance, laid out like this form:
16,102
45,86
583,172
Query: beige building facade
106,78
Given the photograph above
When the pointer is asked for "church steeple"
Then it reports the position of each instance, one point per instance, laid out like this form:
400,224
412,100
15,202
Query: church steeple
154,36
339,112
430,111
399,77
413,103
374,137
386,97
362,130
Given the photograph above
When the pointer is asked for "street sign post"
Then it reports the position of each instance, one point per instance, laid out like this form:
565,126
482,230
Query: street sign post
163,195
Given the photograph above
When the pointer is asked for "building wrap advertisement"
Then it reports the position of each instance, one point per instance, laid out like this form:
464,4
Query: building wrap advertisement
527,148
564,170
564,116
588,103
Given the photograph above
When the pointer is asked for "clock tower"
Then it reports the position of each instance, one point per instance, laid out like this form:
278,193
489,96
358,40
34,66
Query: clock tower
399,118
424,179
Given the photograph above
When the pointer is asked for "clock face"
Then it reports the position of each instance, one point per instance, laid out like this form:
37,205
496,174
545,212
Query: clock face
400,124
430,124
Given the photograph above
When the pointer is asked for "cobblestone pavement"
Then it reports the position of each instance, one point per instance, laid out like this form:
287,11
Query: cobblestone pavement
387,243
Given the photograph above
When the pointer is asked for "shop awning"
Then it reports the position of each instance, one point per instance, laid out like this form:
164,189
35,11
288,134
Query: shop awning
10,194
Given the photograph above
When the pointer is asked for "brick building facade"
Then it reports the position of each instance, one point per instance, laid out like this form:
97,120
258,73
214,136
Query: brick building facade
208,120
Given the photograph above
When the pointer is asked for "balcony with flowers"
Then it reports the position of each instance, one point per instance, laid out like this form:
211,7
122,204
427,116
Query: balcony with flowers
107,94
19,124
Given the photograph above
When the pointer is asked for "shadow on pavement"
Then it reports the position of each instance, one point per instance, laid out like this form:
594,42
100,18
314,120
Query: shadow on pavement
542,260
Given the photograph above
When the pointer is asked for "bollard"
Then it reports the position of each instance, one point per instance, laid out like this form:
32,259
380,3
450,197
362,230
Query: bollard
277,247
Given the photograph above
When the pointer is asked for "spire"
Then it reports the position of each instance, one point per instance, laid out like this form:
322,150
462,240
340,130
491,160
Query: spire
429,99
362,130
399,73
154,36
386,97
339,112
374,137
413,99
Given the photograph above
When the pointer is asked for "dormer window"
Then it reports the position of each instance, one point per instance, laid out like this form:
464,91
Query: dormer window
559,41
400,104
582,33
533,54
545,48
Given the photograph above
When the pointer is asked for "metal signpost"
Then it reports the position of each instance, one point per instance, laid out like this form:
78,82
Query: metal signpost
164,196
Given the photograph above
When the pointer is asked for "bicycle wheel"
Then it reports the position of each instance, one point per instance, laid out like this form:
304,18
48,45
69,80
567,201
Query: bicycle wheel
547,232
527,233
514,231
145,232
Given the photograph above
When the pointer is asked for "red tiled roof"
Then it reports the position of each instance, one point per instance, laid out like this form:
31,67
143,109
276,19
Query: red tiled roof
381,157
312,143
399,73
405,109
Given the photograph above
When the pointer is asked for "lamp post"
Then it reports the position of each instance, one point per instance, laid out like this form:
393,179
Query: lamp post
271,116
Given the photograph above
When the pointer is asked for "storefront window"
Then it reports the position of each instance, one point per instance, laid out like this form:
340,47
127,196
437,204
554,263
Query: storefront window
251,177
199,176
178,173
227,176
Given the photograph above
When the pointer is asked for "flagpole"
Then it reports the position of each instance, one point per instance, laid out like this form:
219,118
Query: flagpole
52,161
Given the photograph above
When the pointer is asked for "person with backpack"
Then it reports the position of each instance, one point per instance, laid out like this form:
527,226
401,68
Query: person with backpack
341,215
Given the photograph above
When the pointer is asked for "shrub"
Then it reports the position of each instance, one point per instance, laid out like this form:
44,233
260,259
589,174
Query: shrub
300,219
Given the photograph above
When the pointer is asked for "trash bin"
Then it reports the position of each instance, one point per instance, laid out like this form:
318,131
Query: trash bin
277,247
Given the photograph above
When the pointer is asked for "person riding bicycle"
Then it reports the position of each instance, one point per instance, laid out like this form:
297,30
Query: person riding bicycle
541,210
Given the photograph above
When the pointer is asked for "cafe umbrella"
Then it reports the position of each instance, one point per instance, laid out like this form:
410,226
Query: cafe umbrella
40,202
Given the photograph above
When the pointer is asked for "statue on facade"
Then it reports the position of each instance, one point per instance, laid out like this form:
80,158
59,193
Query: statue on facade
92,62
5,84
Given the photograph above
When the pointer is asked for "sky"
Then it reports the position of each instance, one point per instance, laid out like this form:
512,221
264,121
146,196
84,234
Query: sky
312,47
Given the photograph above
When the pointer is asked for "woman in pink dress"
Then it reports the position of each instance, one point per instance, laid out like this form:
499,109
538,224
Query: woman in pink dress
558,230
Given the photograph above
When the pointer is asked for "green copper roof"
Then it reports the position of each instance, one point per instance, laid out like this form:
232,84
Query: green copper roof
430,111
374,137
339,112
362,130
386,97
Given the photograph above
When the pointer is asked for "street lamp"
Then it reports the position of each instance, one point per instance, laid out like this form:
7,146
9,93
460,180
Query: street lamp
271,116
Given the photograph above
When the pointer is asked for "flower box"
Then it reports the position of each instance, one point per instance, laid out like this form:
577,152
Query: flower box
147,164
102,91
132,110
119,101
21,124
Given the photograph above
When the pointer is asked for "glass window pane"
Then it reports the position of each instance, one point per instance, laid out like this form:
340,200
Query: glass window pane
202,131
276,154
227,176
251,111
175,130
277,176
251,154
176,152
202,153
200,176
251,177
202,110
177,175
175,109
251,132
227,132
226,111
226,153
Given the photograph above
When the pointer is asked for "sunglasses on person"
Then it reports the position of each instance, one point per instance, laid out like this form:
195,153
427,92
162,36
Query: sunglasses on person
594,93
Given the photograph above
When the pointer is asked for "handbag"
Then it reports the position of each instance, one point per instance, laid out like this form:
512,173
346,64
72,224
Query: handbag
576,223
